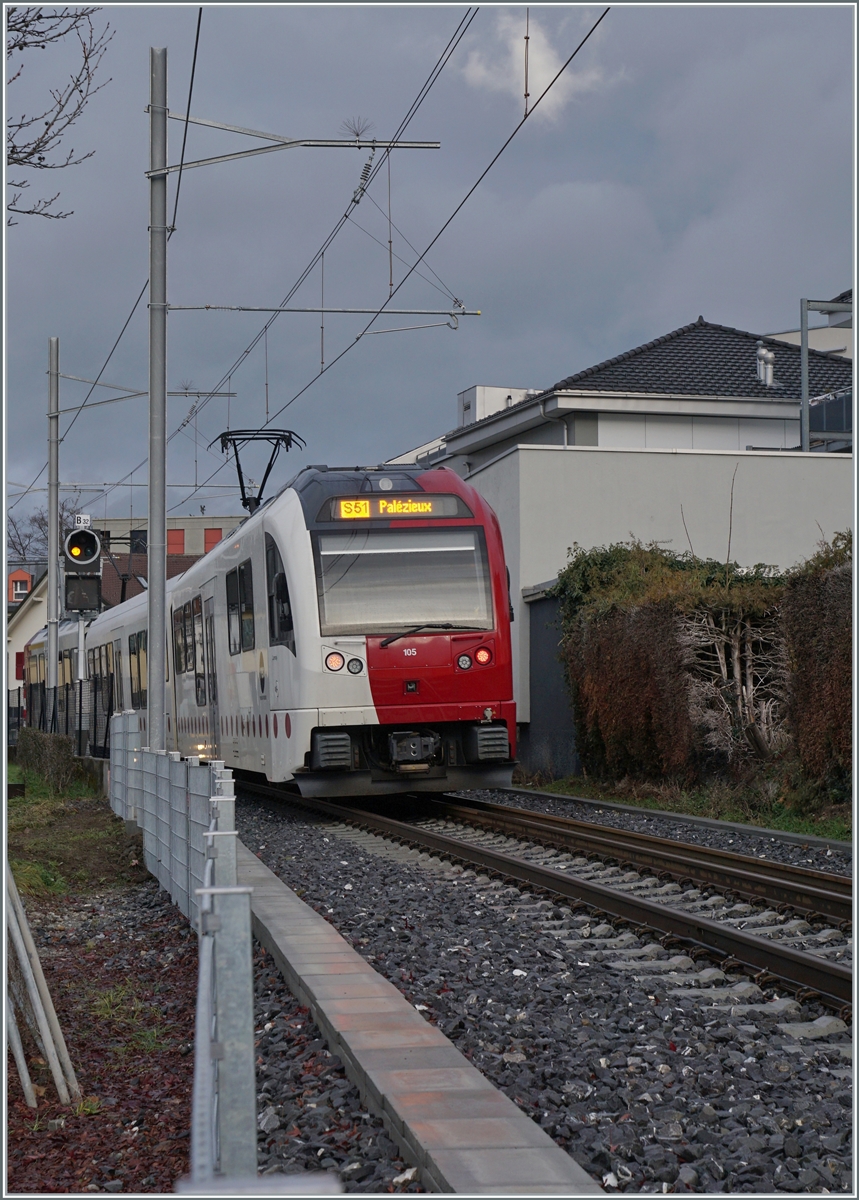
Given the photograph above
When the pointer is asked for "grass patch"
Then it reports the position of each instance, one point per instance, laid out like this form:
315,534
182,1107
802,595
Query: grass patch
762,804
38,879
69,842
14,774
134,1023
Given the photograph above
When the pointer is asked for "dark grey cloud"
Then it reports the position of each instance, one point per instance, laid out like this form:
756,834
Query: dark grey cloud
699,160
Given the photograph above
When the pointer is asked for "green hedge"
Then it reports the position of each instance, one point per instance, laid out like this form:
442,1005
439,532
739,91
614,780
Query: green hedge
48,755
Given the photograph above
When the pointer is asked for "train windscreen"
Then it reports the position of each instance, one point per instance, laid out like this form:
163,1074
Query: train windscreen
373,581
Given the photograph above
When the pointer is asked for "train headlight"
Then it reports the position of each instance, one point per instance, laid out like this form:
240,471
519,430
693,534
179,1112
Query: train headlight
464,662
483,655
354,666
334,661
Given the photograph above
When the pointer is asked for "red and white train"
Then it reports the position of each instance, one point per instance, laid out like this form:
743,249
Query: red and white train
352,637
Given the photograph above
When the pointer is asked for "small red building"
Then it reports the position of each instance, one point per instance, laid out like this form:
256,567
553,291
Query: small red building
20,583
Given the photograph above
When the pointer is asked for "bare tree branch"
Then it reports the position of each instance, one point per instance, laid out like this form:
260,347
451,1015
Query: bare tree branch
27,537
34,143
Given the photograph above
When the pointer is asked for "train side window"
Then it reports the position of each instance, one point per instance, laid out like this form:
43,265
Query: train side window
246,600
117,668
209,629
189,637
281,630
91,665
234,624
141,658
199,661
133,666
178,642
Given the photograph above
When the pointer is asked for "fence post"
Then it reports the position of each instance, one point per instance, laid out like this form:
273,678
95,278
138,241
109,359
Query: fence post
179,831
234,1048
133,770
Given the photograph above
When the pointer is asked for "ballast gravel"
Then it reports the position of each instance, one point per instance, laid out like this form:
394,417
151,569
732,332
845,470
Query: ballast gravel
652,1085
309,1115
738,841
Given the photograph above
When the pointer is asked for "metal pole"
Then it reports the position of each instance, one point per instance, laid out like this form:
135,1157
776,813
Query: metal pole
82,664
53,514
157,549
804,419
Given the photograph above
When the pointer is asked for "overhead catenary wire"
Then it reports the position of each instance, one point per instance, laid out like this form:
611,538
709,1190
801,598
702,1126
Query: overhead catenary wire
459,206
441,231
441,62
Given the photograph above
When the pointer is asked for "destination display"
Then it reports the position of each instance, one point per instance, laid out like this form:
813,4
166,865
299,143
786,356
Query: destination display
410,507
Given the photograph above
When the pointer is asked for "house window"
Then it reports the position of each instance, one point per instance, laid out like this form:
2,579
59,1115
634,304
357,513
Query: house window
20,588
212,537
175,541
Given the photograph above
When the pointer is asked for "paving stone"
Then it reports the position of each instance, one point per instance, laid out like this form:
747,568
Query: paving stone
482,1172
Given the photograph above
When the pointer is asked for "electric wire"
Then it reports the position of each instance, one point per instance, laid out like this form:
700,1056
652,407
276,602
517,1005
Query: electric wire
446,293
458,208
172,228
452,44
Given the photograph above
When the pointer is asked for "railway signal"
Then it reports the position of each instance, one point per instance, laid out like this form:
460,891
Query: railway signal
82,562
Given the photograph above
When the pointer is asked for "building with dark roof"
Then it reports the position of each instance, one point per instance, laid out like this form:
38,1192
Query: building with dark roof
699,387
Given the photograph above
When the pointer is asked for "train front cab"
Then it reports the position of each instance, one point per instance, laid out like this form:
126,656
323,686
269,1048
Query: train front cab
415,683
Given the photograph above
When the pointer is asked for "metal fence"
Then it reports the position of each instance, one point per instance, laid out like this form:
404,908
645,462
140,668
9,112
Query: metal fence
186,811
81,710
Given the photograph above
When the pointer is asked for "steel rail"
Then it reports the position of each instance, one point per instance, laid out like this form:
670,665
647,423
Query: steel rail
767,960
811,892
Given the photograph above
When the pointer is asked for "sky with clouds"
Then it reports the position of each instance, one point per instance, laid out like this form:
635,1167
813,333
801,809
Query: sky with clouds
691,160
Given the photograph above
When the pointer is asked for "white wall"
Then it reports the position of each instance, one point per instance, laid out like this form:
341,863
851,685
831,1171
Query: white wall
481,401
547,498
834,340
649,431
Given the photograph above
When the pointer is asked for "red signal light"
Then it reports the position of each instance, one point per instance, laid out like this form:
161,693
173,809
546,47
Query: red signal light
483,655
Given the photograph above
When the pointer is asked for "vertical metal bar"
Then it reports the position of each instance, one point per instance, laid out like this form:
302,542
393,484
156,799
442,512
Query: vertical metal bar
53,511
234,1006
157,542
202,1132
39,1011
14,1038
804,420
42,986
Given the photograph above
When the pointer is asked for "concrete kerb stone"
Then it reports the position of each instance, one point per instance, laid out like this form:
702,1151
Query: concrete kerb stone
448,1120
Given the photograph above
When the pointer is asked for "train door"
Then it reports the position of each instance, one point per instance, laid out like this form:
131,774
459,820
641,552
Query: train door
208,593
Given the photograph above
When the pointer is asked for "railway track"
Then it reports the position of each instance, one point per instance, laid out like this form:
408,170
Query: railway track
816,894
767,958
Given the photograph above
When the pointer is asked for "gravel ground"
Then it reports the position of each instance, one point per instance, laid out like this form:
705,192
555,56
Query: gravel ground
122,970
646,1081
310,1116
755,845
